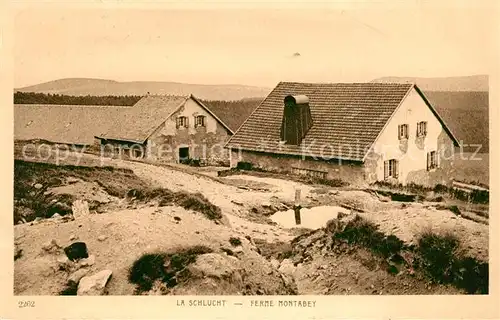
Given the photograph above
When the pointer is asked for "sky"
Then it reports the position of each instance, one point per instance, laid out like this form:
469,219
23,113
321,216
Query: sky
254,45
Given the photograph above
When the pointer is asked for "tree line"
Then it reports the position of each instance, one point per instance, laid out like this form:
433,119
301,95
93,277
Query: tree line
49,98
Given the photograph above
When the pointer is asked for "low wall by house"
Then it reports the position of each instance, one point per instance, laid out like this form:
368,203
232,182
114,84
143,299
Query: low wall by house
351,172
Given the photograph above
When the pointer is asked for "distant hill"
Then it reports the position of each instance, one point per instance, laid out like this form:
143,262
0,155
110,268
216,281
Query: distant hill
466,83
467,115
102,87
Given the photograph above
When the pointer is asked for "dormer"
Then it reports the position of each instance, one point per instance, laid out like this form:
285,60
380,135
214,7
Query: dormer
297,119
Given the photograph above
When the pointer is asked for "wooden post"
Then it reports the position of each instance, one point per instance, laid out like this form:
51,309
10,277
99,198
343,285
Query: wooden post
297,207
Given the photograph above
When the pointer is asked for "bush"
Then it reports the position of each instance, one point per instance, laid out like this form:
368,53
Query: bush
362,232
440,260
169,268
437,255
244,166
235,241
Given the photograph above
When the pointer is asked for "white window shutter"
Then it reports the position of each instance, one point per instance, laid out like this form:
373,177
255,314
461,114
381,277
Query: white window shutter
386,169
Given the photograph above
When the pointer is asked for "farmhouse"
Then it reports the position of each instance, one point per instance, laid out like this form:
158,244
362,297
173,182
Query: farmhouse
169,128
357,132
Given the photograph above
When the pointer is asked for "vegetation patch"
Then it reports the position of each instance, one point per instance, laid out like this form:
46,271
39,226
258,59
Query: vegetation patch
438,257
189,201
278,250
33,179
235,241
169,268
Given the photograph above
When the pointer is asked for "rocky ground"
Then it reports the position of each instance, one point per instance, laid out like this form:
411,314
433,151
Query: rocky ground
118,231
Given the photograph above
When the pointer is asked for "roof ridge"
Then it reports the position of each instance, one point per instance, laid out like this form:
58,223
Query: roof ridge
345,83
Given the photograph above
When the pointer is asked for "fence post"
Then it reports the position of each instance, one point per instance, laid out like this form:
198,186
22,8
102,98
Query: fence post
297,207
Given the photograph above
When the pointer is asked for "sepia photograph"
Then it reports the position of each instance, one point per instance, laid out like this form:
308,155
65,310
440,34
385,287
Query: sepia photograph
251,151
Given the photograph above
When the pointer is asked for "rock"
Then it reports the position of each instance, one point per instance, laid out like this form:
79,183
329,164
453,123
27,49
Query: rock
75,277
275,263
63,263
216,266
80,209
87,261
135,222
38,186
72,237
71,180
51,246
56,216
287,267
238,249
95,284
77,250
102,237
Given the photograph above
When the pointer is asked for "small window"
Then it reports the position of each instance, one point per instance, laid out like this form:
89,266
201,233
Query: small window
199,121
391,169
432,160
422,129
182,122
403,131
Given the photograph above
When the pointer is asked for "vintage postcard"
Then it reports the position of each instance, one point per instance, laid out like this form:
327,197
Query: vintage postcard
202,160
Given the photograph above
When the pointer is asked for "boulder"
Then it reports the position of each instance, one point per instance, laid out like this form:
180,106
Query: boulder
287,267
102,237
76,276
275,263
216,266
80,209
76,251
87,261
63,263
51,246
38,186
95,284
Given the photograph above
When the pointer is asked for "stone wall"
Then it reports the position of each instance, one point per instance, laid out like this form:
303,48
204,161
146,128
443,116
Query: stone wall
203,145
351,172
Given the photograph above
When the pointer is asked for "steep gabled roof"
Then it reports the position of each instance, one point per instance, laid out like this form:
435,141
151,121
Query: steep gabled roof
209,110
347,119
143,118
147,115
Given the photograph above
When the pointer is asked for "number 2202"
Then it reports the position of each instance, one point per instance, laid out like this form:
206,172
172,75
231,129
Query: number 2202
26,304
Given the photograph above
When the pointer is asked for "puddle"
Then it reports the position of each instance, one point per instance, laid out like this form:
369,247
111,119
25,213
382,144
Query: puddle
313,218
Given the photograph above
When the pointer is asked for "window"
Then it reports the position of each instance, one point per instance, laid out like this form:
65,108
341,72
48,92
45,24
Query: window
432,160
182,122
403,131
422,129
391,169
199,121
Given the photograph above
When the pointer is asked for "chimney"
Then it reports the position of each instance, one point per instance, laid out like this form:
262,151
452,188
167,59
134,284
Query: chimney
297,119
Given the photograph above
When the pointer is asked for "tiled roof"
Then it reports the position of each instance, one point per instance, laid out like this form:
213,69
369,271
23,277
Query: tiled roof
147,115
347,119
137,124
63,123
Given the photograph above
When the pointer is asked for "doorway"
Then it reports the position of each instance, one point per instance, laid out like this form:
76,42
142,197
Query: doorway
183,154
